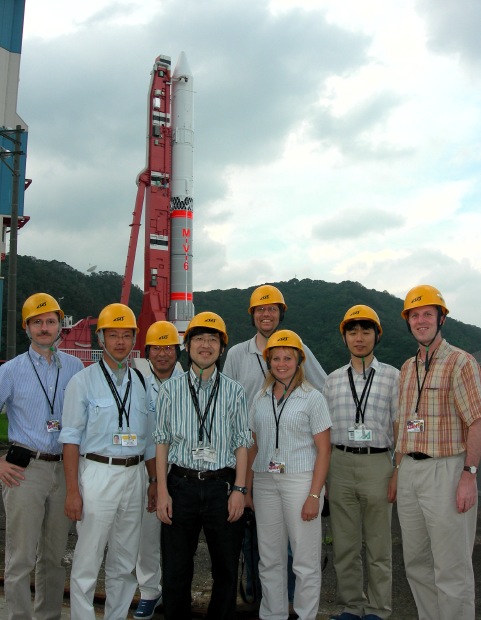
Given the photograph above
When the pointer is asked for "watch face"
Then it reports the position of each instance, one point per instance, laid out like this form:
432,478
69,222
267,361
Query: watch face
471,468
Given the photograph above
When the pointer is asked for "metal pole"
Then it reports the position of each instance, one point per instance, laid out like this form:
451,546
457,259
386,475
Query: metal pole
12,262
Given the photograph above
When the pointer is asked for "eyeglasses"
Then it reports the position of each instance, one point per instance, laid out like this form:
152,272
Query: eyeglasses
165,348
209,340
122,337
42,322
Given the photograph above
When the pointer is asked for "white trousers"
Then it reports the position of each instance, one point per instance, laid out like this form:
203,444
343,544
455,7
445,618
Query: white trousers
148,561
278,501
112,511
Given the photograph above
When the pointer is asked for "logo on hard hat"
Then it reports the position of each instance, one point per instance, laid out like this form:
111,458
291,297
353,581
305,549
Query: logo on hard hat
282,338
119,318
264,297
416,299
211,320
41,305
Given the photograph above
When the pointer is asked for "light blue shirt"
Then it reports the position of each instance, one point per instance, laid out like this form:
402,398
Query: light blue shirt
28,409
178,424
304,414
91,416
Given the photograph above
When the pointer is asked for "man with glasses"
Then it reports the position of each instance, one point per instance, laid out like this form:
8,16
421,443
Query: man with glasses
162,350
105,478
32,387
202,433
245,364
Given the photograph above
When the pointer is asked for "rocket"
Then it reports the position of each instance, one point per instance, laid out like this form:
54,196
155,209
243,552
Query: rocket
182,199
165,189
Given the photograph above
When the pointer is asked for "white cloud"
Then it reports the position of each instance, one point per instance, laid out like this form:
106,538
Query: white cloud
334,140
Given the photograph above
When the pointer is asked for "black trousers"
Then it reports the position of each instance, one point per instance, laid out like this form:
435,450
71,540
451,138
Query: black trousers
200,504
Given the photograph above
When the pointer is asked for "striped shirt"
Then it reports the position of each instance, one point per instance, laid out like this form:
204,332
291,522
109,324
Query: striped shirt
178,424
304,414
381,406
25,383
450,402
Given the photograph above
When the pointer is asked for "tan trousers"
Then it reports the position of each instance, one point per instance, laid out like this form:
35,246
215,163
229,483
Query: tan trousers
36,537
357,487
438,541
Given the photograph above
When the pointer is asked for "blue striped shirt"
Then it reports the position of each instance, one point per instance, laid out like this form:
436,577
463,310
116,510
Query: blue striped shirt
91,416
304,414
28,410
178,424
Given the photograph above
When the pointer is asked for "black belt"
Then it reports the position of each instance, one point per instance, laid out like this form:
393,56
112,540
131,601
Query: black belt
45,456
364,450
216,474
128,461
419,456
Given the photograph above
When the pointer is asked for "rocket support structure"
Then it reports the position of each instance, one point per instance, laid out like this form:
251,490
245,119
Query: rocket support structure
165,186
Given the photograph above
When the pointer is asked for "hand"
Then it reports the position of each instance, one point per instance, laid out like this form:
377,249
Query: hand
466,493
392,488
164,508
73,506
235,506
152,497
310,509
10,474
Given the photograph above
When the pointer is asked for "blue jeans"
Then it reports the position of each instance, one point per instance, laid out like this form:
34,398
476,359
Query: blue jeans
200,504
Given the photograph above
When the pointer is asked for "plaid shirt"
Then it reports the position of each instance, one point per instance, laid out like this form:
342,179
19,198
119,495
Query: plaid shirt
450,402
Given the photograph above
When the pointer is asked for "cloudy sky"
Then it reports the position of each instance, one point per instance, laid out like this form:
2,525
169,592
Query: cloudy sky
335,140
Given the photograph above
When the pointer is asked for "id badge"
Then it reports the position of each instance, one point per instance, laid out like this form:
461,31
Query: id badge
129,439
198,453
415,426
117,439
362,434
53,426
350,433
277,467
209,454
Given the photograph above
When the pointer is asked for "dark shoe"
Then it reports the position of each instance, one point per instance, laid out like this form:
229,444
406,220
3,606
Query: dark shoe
372,617
145,609
345,616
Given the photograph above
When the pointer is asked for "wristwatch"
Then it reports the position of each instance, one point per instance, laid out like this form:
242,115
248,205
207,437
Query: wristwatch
242,490
471,468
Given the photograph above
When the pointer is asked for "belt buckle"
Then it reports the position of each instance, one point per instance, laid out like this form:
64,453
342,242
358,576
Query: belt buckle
130,460
199,475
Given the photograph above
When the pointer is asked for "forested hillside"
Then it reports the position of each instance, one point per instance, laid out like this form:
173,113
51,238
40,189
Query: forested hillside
315,309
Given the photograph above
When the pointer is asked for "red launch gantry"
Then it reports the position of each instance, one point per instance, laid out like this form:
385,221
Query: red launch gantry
166,187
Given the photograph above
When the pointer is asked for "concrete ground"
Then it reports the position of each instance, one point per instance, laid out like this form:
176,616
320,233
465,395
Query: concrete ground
403,604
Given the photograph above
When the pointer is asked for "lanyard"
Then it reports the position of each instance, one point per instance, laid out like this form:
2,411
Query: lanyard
260,364
120,403
360,410
50,404
277,418
427,366
203,417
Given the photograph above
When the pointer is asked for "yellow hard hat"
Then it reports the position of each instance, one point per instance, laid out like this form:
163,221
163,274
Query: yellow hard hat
116,316
423,295
264,295
285,338
209,320
38,304
162,333
361,313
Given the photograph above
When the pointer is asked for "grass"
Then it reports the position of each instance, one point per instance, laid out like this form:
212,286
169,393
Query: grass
3,428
